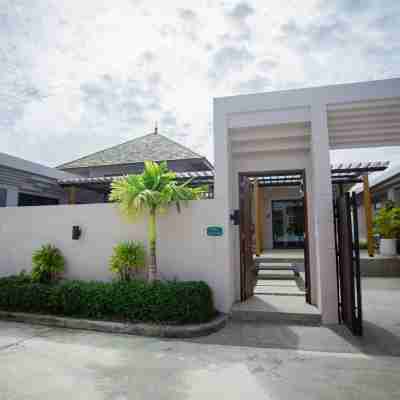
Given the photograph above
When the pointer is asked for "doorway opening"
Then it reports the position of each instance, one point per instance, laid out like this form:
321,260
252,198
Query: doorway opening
288,224
274,252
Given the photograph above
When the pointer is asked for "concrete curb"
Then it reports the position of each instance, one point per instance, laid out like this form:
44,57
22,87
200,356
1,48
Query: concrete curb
152,330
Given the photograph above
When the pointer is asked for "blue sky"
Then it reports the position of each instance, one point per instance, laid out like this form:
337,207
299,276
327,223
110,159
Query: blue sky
79,76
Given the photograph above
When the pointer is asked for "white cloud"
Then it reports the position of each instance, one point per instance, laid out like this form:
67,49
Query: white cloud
78,76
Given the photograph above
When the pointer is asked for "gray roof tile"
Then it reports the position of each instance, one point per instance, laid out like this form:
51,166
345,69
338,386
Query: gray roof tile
153,147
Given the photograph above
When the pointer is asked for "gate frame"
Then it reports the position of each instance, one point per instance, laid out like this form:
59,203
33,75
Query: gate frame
307,270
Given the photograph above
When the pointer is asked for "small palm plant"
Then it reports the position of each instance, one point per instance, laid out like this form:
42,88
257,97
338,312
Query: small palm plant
127,258
152,191
48,264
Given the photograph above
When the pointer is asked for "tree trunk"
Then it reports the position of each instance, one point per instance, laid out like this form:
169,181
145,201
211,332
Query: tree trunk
153,273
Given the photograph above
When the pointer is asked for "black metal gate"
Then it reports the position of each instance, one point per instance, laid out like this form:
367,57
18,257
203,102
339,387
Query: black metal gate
348,262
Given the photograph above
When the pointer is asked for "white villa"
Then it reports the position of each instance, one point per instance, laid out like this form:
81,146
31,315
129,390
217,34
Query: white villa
274,187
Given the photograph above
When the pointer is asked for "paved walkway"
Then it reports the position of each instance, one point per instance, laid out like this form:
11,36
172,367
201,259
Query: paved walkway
40,363
381,299
260,361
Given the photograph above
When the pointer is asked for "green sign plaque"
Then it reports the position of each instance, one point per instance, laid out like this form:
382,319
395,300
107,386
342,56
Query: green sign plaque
215,231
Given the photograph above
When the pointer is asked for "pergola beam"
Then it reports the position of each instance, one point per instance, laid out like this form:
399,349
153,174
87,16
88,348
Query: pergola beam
368,216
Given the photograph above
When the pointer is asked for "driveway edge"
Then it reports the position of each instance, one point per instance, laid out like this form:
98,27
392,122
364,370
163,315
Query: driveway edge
152,330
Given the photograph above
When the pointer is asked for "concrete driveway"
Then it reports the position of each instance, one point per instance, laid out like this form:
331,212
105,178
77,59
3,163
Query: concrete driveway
257,360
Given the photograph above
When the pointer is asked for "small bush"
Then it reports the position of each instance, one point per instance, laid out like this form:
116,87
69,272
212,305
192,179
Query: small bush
127,258
136,300
48,264
387,221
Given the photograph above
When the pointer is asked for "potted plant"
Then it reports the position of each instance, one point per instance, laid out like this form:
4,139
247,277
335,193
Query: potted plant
387,225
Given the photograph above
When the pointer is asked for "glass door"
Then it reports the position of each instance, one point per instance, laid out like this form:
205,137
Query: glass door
288,223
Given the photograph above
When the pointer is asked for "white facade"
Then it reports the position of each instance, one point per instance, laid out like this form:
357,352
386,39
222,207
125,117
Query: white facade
293,130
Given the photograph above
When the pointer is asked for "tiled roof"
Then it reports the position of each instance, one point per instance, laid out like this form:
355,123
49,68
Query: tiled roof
153,147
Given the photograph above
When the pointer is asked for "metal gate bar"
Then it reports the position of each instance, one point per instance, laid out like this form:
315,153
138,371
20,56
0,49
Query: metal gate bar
348,262
358,328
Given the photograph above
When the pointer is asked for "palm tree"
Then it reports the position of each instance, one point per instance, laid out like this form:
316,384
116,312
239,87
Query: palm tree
154,190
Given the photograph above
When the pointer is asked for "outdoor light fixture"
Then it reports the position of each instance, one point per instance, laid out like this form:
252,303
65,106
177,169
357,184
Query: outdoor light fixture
235,217
76,232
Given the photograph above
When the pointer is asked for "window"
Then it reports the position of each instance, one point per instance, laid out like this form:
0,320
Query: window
25,199
3,197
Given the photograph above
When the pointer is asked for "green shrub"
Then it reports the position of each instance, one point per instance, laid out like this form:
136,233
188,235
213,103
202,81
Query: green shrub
48,264
387,222
161,302
127,258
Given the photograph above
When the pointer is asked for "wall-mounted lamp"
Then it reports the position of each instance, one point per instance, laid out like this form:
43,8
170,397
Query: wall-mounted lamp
76,232
235,217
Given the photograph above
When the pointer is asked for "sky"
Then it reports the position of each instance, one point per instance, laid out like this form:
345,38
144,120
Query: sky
78,76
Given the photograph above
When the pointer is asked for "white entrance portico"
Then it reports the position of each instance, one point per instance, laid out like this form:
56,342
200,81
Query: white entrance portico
294,130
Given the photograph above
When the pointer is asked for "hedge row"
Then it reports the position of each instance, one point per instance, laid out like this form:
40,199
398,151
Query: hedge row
136,301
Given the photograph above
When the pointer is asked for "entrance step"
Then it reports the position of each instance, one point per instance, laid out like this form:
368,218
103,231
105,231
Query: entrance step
275,265
291,310
279,292
276,287
276,274
278,267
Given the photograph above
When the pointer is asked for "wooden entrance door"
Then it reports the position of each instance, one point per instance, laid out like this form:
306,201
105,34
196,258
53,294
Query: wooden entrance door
248,273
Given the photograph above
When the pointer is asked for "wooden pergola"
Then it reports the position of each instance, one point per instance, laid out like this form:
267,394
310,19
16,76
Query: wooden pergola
343,176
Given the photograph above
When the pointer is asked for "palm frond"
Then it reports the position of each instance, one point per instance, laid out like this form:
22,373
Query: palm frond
154,189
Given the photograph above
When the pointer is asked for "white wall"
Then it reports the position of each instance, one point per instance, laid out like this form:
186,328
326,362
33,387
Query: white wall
185,251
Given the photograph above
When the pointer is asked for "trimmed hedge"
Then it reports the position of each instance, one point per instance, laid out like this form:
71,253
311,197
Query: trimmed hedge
169,302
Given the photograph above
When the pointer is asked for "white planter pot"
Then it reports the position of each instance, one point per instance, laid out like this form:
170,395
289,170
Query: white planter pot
387,247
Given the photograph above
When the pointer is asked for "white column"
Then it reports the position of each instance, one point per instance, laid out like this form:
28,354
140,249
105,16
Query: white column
311,238
323,215
222,193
